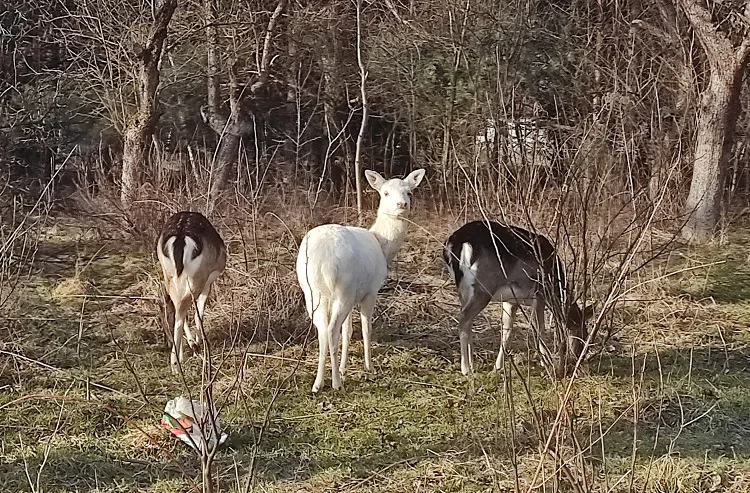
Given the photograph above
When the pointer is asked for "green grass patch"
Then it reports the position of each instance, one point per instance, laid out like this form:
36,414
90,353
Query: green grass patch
84,378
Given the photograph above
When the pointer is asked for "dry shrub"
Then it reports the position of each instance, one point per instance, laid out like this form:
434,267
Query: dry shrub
257,298
70,288
139,224
602,234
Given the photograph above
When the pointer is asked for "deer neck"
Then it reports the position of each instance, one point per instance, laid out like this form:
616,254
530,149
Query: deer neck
390,231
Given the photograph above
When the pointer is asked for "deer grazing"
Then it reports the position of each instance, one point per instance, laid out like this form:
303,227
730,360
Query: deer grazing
489,261
192,256
339,267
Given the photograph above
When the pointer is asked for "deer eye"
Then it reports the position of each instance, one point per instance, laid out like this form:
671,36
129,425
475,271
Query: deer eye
409,194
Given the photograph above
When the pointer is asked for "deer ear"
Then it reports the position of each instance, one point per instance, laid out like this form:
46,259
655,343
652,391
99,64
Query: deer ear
374,179
415,178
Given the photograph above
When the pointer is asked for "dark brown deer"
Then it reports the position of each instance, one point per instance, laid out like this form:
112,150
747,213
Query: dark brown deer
490,261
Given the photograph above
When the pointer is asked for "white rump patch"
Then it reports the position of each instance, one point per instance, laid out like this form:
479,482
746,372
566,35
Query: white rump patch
169,246
189,265
469,271
192,265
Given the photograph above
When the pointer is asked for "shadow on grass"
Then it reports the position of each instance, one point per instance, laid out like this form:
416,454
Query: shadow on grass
729,282
692,402
442,339
72,469
291,455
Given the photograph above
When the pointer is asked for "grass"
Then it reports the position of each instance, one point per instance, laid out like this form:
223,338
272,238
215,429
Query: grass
662,406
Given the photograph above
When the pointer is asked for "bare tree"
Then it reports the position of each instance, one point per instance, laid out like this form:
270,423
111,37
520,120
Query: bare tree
231,128
363,125
449,116
139,131
717,114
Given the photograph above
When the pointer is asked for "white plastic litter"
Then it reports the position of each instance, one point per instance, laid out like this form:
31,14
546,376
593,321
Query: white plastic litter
189,421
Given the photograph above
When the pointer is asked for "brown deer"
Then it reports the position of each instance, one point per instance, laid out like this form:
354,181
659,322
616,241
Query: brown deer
192,256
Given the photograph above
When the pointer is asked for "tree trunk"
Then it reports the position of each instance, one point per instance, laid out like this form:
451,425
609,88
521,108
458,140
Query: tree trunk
716,119
138,133
226,155
133,156
229,133
207,476
717,115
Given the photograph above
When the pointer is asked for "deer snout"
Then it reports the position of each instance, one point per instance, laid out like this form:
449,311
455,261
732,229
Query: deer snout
402,205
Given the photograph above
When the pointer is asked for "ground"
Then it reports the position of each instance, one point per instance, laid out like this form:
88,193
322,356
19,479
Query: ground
662,405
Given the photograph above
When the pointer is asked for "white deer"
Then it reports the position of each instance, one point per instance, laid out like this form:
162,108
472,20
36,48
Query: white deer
192,256
339,267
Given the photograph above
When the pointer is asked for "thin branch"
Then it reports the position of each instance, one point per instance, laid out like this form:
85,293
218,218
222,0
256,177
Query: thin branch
363,124
715,43
265,57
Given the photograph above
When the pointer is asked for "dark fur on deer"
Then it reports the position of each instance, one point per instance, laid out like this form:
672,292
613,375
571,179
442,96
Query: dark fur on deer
490,261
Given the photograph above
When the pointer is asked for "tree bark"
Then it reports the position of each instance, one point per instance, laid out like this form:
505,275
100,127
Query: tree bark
138,133
717,115
226,155
230,131
716,119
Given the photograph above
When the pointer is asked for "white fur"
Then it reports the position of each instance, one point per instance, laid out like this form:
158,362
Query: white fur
466,286
339,267
190,265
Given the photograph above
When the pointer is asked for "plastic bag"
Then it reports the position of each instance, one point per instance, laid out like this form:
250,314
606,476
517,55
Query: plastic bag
189,421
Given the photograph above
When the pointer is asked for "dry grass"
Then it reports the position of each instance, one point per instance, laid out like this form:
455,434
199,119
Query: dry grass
660,406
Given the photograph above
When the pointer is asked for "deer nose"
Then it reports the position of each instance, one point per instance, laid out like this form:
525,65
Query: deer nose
401,205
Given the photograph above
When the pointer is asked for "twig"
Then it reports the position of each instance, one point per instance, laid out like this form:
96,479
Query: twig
109,296
69,375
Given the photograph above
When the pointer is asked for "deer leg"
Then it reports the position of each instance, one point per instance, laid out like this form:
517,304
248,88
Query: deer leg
346,338
339,312
200,308
474,305
537,322
366,308
509,315
169,317
179,326
320,320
